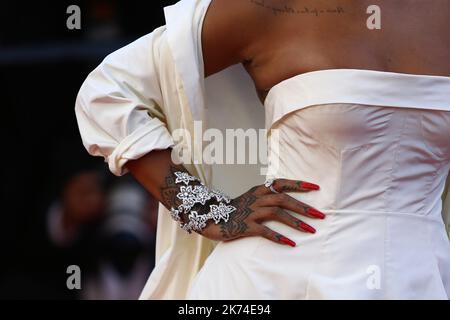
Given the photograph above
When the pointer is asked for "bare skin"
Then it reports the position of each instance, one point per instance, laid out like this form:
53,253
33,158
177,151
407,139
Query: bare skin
278,44
278,39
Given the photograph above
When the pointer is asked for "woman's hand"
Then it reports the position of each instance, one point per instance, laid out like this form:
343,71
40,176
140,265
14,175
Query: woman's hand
260,204
157,173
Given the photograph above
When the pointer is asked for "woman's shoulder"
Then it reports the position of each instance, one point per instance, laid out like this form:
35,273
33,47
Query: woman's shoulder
230,28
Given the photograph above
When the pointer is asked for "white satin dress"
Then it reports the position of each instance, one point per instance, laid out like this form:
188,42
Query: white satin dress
378,144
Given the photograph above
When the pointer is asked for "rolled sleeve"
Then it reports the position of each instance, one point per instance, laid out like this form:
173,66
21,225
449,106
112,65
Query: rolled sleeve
152,136
118,107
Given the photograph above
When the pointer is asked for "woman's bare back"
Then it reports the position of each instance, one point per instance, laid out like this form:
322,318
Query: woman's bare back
275,40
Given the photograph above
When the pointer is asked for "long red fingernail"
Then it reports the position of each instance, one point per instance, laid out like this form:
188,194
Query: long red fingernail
288,241
316,213
307,227
310,186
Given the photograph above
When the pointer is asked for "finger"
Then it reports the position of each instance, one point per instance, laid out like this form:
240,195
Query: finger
260,190
276,237
287,185
278,214
285,201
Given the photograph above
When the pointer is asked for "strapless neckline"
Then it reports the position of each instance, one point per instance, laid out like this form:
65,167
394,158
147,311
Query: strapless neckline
335,70
357,86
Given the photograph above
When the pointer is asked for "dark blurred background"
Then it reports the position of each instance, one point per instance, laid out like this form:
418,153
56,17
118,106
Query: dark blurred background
60,206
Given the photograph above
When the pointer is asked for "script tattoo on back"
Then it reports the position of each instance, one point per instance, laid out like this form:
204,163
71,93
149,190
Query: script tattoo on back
284,10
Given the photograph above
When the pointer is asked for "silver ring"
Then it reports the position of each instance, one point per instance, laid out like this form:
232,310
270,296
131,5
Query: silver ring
269,184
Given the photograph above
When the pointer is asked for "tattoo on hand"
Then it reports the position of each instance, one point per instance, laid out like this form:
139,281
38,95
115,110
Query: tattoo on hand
290,188
237,226
175,195
170,190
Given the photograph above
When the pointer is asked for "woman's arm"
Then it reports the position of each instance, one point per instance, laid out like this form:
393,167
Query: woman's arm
119,115
230,28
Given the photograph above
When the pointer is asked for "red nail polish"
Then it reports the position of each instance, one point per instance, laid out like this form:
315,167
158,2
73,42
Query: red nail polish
316,213
288,241
310,186
307,227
